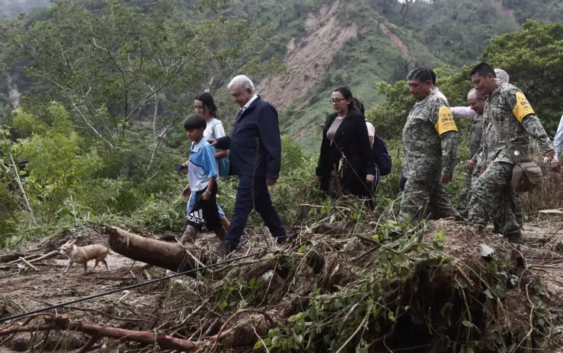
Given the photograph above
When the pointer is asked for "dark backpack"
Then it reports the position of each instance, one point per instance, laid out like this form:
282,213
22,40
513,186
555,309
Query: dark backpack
381,155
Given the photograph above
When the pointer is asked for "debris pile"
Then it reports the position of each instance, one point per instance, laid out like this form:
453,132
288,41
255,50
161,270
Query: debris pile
334,287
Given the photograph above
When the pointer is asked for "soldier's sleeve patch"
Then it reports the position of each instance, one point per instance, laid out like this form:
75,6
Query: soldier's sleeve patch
445,121
522,108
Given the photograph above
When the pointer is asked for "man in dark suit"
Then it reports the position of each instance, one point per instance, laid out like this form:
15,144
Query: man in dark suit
255,156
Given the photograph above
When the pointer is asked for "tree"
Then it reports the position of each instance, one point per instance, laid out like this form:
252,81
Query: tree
532,58
119,70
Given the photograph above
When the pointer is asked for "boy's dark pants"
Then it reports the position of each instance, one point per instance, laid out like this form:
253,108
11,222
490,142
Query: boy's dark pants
205,211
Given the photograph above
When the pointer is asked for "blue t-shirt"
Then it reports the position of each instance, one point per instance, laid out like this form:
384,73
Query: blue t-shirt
202,165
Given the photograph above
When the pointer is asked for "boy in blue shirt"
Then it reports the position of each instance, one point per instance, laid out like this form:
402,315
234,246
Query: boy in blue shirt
202,187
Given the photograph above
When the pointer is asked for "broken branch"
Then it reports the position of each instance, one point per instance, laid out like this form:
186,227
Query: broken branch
63,323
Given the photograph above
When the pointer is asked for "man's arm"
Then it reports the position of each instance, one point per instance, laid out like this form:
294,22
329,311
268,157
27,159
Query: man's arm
534,127
223,143
461,112
209,163
524,113
269,131
450,143
447,129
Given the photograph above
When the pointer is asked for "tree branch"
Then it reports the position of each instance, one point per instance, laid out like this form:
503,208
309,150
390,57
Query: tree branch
63,323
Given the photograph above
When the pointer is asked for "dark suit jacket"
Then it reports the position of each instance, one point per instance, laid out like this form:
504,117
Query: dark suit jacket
352,141
255,144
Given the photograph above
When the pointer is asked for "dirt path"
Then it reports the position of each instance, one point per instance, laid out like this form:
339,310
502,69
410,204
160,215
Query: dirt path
24,289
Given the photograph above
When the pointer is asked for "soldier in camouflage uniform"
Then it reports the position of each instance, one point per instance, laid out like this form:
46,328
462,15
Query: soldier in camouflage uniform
492,193
430,144
477,105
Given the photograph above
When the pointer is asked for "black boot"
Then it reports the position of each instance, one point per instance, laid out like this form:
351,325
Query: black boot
515,237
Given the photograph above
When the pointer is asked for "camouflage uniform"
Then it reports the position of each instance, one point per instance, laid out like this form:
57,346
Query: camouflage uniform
492,194
430,144
475,143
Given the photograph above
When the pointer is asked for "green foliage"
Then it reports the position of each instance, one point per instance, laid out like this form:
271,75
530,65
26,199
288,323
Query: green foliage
292,156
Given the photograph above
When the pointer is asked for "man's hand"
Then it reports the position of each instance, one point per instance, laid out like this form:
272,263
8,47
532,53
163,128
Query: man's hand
483,168
446,179
550,155
319,178
212,142
471,165
271,181
370,178
206,195
555,167
186,164
187,191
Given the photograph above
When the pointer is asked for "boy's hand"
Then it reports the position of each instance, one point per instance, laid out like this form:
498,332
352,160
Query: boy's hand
212,142
186,164
206,195
187,191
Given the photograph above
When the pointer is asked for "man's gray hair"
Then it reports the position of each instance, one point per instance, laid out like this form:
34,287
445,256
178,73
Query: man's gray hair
502,75
477,94
243,81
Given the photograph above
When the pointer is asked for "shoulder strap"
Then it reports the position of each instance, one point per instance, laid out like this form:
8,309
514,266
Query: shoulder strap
217,122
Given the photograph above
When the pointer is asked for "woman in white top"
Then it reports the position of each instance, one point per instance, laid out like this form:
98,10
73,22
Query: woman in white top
204,105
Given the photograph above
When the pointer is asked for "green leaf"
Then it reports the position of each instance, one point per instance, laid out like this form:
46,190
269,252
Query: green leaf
467,323
489,294
222,305
438,242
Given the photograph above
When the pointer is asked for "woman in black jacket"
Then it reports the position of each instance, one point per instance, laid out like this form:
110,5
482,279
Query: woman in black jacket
345,150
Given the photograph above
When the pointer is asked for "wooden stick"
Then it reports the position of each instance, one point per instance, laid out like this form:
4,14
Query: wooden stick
63,323
28,264
46,256
19,181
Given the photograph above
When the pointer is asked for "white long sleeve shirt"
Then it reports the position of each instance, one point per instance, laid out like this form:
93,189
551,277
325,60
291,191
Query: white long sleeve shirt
459,112
558,140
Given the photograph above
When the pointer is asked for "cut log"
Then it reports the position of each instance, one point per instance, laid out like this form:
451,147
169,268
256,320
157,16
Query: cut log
10,257
151,251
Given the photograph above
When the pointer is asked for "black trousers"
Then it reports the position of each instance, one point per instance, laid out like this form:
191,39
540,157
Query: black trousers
205,211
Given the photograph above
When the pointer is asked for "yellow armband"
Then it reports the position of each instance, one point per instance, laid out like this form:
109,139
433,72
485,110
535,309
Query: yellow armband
522,108
445,121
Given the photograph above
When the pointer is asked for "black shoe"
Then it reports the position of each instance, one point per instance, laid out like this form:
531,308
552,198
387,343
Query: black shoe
227,248
281,240
515,237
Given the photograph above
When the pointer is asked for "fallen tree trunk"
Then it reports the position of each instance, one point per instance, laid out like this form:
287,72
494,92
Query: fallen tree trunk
10,257
62,323
151,251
